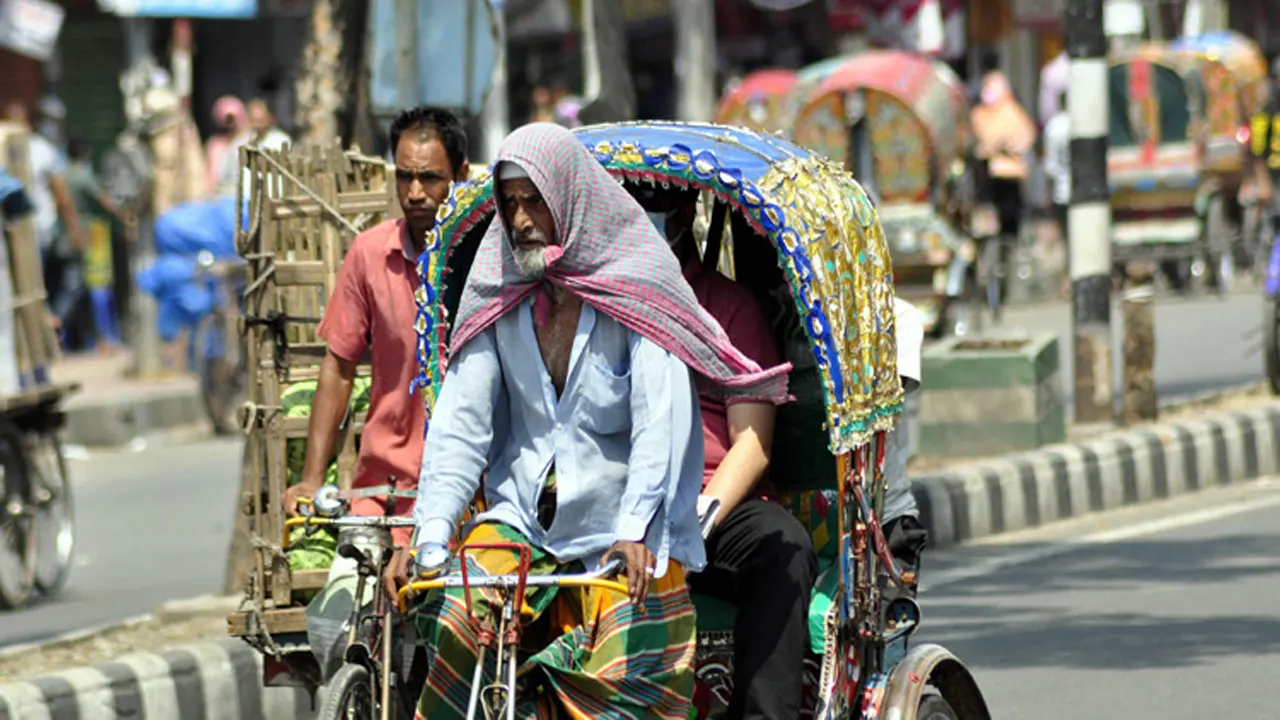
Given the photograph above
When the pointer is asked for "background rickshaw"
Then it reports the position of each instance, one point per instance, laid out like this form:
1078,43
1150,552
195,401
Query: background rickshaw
900,123
1162,202
808,78
760,101
1233,73
808,244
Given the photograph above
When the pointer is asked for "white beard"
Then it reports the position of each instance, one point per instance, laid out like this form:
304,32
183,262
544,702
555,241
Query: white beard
531,264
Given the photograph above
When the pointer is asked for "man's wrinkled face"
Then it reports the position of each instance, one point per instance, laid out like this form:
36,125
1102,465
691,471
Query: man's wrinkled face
423,175
529,219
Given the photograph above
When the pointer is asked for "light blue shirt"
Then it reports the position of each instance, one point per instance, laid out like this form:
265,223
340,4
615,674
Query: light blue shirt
625,437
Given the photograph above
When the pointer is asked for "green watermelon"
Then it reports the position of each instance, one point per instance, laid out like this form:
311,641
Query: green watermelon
316,551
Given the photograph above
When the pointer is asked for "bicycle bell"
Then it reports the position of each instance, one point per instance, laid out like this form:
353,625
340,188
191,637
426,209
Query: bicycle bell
328,501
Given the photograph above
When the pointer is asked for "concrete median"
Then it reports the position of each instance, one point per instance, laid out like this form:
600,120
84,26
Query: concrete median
219,679
1115,470
101,420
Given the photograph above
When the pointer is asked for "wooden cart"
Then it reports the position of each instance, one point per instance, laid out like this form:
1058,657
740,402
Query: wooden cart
304,207
35,509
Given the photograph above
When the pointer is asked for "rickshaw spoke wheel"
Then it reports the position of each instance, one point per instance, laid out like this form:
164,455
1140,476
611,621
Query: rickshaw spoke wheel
55,526
18,542
349,695
223,372
935,707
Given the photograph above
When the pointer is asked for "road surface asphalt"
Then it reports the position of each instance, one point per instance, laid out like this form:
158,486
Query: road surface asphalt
1163,611
151,526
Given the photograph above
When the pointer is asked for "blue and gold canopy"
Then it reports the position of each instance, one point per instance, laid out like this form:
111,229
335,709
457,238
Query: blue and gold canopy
828,239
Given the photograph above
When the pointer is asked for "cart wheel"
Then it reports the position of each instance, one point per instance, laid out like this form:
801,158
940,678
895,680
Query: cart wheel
17,528
55,526
1271,342
935,707
349,695
222,380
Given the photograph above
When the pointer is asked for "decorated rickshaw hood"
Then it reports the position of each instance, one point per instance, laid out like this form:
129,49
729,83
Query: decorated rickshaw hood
828,240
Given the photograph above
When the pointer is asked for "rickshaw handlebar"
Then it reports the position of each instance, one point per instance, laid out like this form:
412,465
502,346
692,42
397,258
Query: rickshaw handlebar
598,578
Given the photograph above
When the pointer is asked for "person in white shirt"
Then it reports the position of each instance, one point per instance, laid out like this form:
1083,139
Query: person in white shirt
52,201
901,515
1057,162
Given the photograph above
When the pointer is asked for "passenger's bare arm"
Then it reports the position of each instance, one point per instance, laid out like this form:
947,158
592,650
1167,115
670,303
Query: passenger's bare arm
750,444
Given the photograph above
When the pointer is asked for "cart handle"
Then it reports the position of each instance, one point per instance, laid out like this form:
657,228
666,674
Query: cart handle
597,578
344,521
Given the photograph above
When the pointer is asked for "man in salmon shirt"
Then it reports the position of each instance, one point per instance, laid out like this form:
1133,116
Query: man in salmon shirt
372,311
759,557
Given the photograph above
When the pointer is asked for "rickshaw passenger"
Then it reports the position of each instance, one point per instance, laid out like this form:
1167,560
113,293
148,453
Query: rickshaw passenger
569,379
759,556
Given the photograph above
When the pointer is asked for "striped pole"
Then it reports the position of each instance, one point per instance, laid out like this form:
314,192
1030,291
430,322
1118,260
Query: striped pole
1089,212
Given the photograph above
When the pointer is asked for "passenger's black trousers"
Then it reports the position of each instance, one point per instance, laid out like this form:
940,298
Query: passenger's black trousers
761,559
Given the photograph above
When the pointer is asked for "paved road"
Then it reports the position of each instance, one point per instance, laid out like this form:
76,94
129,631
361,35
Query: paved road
1165,611
152,526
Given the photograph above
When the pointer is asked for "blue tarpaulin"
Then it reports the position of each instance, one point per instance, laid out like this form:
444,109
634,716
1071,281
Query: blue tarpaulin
189,228
181,234
14,203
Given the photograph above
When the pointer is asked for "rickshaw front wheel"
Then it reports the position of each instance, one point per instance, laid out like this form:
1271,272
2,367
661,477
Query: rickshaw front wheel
348,695
935,707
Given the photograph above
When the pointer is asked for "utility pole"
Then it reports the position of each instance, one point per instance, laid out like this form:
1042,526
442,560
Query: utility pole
1089,212
695,65
408,87
494,117
608,88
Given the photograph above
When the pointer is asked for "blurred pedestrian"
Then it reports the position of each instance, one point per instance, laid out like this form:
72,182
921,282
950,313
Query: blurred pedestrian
1057,162
1005,135
266,132
48,192
232,122
96,208
544,106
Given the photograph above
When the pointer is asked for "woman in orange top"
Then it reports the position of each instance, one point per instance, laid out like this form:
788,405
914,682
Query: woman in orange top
1004,134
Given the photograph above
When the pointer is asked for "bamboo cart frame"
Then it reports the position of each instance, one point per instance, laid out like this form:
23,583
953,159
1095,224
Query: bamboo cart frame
31,417
36,340
301,209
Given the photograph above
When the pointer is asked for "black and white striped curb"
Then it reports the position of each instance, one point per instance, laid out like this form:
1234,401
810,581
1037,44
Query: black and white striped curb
1116,470
216,680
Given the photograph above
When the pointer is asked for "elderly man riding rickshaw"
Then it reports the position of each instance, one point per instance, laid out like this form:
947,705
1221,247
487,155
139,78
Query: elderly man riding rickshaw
572,347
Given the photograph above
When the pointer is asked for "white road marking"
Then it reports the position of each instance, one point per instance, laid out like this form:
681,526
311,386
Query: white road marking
1151,527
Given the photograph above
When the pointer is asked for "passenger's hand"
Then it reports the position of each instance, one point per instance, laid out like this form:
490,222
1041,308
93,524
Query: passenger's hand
305,489
396,575
641,565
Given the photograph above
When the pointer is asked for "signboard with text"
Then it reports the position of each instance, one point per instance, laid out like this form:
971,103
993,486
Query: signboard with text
30,27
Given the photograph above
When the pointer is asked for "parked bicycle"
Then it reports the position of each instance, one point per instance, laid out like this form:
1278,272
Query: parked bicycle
219,345
37,532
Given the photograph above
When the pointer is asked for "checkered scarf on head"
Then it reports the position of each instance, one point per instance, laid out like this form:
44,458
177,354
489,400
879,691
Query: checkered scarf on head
612,257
